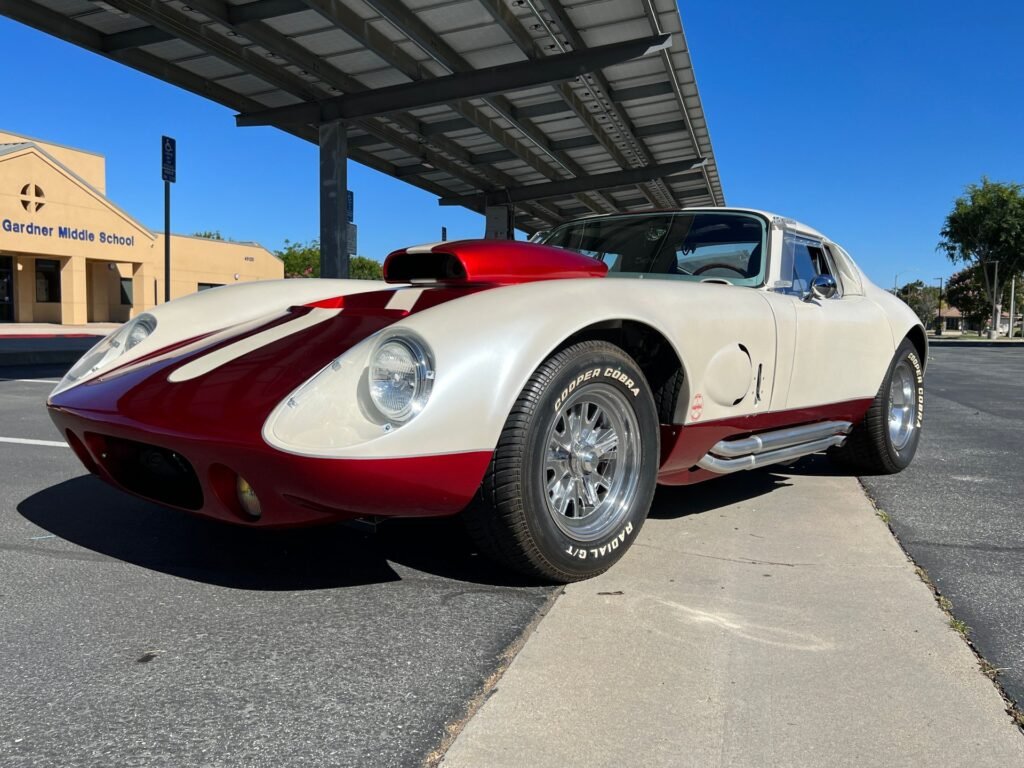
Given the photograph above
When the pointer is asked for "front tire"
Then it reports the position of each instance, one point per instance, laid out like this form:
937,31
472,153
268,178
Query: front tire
574,472
886,441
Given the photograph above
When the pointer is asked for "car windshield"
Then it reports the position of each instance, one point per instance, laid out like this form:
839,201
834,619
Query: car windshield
716,246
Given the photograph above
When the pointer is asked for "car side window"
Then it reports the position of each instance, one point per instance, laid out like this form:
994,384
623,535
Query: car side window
803,259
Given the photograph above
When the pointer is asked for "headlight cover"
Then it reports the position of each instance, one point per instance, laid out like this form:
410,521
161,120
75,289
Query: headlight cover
129,335
357,398
400,377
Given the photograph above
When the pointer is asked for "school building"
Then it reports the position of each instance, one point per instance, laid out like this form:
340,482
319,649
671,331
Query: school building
69,255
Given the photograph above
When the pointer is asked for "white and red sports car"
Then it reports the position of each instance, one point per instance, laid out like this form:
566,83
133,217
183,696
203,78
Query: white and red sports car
540,389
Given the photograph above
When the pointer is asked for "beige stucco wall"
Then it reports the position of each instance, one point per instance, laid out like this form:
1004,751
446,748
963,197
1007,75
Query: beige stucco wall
196,260
97,244
90,166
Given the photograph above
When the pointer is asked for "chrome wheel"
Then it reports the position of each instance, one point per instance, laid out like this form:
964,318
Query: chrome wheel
902,405
592,463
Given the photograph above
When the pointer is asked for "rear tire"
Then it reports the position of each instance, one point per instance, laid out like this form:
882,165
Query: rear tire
574,472
886,441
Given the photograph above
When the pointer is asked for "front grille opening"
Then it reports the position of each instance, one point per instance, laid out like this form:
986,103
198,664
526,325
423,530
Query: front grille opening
81,451
151,471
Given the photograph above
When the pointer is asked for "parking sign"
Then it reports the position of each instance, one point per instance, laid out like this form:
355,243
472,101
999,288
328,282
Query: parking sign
170,158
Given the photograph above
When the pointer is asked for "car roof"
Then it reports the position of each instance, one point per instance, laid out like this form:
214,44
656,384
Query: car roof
785,222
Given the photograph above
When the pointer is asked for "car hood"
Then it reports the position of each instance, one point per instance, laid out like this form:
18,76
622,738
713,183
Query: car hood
224,384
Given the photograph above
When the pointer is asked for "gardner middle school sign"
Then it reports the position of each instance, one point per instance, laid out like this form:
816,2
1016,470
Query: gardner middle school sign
80,234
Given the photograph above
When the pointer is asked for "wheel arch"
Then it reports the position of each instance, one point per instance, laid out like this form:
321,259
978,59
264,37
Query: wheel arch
487,346
656,356
920,341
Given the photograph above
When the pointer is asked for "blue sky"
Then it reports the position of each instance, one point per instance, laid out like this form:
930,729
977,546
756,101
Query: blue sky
865,120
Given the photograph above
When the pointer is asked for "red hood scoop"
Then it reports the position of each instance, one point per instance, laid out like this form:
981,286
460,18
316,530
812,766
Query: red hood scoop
496,262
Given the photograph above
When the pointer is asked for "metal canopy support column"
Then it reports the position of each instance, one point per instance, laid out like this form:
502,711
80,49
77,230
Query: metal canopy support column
333,200
500,222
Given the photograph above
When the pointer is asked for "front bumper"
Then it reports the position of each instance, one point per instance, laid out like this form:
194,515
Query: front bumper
199,475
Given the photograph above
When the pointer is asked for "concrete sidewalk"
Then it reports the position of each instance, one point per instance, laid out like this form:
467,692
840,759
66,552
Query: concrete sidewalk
761,620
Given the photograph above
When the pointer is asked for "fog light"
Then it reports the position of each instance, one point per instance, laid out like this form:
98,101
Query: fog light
247,498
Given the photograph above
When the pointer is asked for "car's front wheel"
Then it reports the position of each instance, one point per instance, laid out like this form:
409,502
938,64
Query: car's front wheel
886,441
574,472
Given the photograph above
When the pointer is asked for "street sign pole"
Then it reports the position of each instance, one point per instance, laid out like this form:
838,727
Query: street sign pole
169,155
167,241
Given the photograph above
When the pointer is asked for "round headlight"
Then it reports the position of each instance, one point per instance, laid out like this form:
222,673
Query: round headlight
130,334
400,377
139,330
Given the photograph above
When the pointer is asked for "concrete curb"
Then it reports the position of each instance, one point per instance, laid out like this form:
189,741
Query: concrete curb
979,343
23,351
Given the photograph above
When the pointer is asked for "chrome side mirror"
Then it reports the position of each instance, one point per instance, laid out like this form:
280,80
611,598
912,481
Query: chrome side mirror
822,287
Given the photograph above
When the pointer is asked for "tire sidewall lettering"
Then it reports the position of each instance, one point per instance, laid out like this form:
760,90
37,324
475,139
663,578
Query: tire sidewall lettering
904,456
919,389
614,373
593,553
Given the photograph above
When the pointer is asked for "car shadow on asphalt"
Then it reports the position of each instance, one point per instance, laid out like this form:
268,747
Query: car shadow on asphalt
86,512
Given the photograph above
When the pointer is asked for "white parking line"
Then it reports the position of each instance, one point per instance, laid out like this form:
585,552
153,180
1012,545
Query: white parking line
26,441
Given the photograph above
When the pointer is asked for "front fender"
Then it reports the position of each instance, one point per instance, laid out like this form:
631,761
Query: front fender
488,344
902,319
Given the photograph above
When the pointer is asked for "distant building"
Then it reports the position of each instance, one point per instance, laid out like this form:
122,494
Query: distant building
957,323
69,255
953,319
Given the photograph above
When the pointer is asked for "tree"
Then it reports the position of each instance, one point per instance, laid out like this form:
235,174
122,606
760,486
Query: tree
987,224
362,268
986,227
966,291
303,260
300,259
923,299
209,234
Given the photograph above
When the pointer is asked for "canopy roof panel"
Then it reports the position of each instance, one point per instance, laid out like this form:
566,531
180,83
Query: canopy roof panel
599,95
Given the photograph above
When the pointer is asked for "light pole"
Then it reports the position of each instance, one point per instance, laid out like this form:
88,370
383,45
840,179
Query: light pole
940,326
997,307
896,279
1013,307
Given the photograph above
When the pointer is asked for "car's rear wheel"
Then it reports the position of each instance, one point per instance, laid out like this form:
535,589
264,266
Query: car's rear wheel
574,472
886,441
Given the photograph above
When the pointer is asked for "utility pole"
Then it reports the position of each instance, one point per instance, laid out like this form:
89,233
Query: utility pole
896,279
940,325
1013,307
993,332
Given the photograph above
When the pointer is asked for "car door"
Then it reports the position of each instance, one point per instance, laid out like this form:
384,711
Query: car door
833,348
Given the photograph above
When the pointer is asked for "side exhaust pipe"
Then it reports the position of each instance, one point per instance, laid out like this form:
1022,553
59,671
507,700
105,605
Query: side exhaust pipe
773,447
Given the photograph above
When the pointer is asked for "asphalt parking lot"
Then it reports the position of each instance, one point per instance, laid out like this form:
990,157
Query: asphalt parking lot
141,636
135,635
959,509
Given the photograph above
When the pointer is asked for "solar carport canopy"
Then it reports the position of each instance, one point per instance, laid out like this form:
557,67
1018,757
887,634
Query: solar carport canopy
557,108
